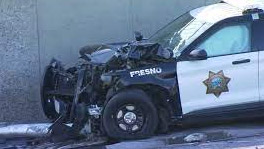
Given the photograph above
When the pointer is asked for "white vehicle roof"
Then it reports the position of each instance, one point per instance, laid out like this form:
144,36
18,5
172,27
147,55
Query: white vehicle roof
246,4
231,8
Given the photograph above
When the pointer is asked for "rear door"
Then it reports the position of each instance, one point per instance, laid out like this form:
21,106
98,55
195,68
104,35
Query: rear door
229,75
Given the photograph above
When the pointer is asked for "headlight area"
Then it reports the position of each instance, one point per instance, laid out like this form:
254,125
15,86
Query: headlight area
106,79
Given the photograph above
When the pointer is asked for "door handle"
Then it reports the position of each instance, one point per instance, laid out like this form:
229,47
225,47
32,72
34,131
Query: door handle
241,61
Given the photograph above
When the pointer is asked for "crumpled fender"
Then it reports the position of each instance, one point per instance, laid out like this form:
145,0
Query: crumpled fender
165,79
163,75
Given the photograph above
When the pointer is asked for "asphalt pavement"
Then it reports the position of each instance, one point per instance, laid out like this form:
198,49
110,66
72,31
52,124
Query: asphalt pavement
236,135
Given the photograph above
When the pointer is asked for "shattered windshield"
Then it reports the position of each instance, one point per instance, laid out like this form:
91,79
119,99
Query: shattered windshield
175,34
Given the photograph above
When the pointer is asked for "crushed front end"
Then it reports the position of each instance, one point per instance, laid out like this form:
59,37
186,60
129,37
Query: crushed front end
79,94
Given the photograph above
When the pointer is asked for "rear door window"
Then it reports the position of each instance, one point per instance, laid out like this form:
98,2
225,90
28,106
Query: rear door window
258,35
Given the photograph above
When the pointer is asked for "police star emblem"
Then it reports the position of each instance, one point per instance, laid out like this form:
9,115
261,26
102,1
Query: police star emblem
217,83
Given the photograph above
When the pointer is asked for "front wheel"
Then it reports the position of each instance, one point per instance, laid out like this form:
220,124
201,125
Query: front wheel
130,115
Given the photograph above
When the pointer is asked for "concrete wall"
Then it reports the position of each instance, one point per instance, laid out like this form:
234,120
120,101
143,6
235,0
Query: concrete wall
19,62
34,31
64,27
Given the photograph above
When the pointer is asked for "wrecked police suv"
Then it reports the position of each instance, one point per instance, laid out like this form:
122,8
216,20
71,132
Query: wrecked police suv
205,65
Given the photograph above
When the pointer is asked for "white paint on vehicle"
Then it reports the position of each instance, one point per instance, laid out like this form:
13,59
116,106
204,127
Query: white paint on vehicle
243,87
246,4
231,8
216,12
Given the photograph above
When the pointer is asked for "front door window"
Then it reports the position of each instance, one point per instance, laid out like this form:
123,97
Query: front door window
228,40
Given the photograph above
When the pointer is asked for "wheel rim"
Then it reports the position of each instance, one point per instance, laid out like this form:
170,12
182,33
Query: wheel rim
130,118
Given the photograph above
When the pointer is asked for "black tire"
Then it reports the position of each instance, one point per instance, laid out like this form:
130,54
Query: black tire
144,109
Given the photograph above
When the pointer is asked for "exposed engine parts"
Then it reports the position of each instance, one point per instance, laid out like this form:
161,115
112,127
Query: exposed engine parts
99,75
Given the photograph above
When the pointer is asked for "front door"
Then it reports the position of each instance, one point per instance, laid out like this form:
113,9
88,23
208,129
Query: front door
229,75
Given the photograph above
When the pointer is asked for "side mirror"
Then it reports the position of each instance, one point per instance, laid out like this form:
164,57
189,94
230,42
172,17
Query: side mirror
138,36
198,54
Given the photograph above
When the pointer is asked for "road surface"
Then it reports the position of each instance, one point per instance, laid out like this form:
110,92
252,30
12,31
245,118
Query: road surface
239,135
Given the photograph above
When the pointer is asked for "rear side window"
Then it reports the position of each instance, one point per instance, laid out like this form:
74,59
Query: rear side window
258,35
227,40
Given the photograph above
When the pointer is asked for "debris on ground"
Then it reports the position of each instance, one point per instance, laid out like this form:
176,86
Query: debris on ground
195,137
24,130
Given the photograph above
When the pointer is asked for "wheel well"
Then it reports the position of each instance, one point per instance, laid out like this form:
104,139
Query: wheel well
166,103
159,96
158,99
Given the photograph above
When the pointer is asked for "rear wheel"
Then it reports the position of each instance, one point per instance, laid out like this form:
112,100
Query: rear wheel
130,115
